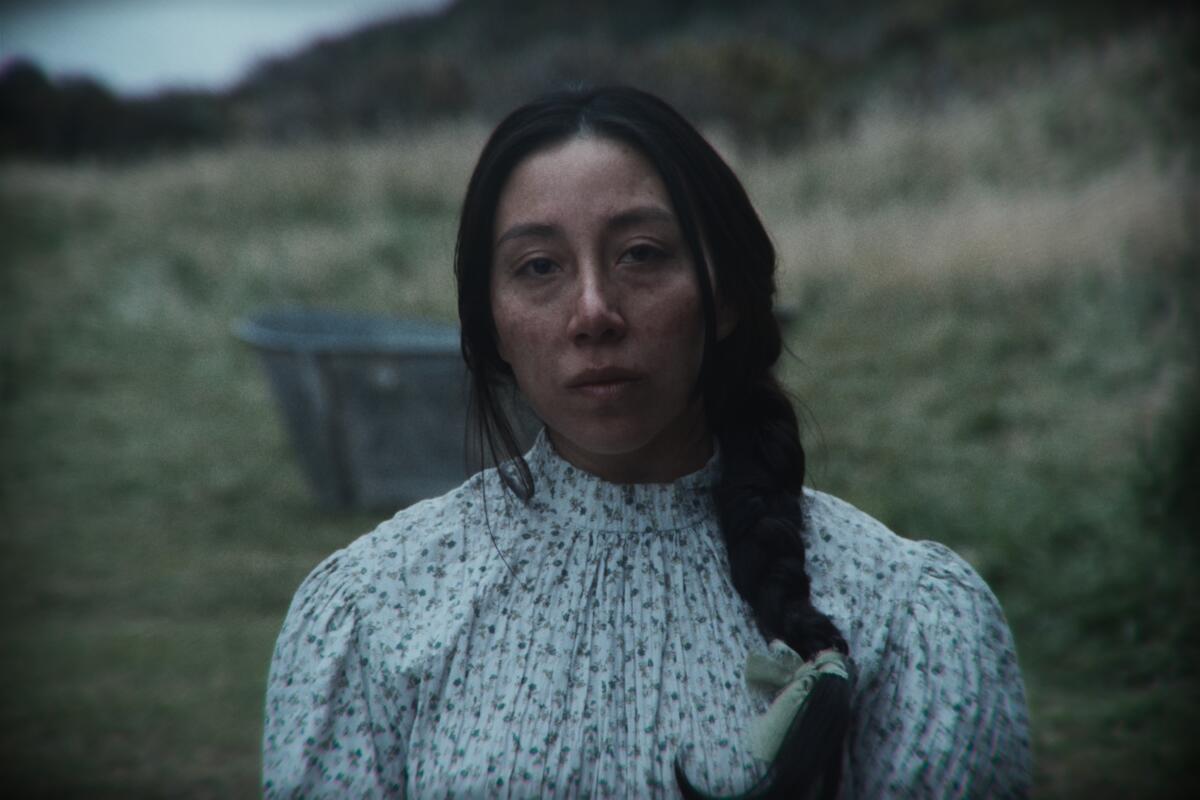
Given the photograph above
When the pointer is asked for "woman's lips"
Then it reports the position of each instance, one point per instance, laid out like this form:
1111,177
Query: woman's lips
603,391
605,382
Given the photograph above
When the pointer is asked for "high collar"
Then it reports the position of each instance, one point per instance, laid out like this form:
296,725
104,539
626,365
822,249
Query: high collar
581,500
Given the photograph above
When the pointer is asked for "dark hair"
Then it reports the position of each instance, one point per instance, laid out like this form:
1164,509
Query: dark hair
759,491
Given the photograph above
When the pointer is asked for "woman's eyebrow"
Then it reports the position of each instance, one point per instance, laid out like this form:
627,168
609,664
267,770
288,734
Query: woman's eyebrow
538,230
630,217
639,216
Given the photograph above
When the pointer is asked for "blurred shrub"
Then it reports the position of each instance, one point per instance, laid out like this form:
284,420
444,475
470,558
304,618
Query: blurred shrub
1169,488
1173,492
763,89
324,97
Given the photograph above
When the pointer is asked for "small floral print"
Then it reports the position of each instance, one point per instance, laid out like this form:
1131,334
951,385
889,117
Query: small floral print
575,645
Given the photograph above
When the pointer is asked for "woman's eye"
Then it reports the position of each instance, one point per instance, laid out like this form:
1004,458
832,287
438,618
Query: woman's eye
643,254
537,267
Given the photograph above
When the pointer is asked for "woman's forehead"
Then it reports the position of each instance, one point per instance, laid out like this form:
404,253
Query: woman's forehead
582,174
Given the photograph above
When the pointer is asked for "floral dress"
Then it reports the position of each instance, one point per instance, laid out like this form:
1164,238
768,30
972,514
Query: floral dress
577,644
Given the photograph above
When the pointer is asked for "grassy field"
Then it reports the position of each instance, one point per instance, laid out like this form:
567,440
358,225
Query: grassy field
993,348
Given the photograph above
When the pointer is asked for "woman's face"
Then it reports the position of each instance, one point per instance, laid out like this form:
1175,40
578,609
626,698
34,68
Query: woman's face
598,310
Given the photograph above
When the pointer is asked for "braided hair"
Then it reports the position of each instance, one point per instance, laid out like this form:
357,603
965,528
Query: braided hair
758,496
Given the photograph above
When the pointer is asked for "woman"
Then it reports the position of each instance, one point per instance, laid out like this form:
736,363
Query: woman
647,603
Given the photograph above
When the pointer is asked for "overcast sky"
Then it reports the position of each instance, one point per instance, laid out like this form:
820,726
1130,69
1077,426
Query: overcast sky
139,46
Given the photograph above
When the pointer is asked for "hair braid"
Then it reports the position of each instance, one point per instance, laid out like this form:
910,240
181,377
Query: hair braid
758,500
759,505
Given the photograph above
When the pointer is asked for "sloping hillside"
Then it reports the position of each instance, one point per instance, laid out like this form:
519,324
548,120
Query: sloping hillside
770,70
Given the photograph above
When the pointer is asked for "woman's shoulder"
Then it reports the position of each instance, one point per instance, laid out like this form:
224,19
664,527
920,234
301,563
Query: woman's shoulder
838,529
940,703
873,578
844,537
412,552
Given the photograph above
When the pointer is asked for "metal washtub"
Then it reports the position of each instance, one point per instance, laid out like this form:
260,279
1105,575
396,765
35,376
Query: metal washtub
375,406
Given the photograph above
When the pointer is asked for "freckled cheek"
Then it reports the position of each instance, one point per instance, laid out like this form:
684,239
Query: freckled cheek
522,342
675,315
674,318
676,341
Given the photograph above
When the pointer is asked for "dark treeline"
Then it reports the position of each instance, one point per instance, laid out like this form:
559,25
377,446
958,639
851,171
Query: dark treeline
772,70
81,117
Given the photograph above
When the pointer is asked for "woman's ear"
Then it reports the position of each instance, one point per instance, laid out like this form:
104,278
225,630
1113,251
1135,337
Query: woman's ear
498,342
727,315
727,318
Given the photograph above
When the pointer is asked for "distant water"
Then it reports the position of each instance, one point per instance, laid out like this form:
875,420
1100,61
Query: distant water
140,46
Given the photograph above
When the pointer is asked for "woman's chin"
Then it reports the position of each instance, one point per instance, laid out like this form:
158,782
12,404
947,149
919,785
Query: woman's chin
599,441
629,453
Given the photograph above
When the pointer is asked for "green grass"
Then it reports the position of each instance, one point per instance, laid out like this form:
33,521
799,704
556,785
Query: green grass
1010,424
992,348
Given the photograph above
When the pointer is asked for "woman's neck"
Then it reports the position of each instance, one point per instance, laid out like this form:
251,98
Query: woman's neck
681,449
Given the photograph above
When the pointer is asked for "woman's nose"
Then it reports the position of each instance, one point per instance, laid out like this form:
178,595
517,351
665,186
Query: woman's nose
597,316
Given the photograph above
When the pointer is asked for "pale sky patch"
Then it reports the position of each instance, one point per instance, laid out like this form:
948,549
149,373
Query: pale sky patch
140,46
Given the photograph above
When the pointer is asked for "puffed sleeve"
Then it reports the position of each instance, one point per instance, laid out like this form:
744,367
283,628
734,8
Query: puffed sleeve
945,714
319,739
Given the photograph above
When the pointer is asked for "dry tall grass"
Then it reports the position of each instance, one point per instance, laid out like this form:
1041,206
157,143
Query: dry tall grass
1058,171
